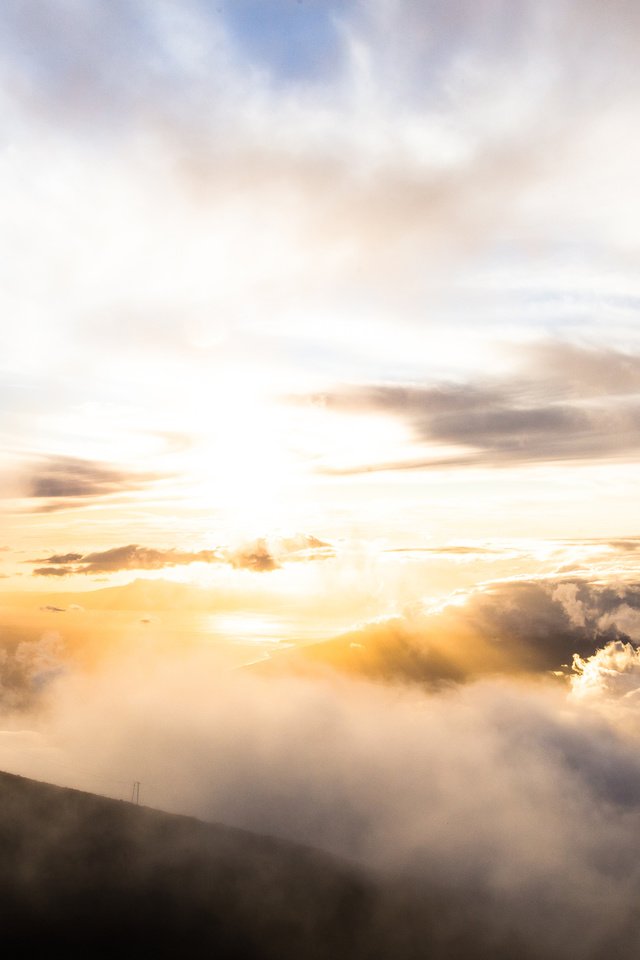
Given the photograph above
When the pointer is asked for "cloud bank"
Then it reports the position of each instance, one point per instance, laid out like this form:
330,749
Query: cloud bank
519,627
542,851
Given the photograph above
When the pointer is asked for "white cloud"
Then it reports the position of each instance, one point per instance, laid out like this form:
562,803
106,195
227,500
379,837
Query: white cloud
611,674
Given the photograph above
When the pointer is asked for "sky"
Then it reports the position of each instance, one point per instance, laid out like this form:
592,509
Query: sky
320,430
365,271
326,309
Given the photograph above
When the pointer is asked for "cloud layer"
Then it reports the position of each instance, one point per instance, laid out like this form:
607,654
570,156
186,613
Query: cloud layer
542,851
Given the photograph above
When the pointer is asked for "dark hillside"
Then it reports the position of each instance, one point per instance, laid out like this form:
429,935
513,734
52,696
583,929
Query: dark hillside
85,876
82,871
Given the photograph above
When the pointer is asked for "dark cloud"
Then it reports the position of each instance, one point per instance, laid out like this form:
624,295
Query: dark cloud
256,556
70,477
260,556
130,557
586,371
133,557
557,412
269,554
58,558
515,627
61,483
51,609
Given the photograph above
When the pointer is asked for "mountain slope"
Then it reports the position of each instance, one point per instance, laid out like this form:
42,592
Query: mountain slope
90,873
93,877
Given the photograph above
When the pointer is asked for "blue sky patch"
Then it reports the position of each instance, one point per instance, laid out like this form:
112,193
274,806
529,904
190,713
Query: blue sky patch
295,39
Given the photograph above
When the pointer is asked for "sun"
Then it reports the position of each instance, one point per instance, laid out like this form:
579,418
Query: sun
242,465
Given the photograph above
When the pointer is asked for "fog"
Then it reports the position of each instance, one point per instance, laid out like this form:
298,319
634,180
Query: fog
520,796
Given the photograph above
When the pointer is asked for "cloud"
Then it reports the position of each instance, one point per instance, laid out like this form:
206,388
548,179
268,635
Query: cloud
549,415
612,673
380,775
260,556
449,135
427,143
429,150
270,553
453,550
62,483
133,557
381,772
130,557
628,545
255,556
27,667
52,571
584,371
70,478
521,627
58,558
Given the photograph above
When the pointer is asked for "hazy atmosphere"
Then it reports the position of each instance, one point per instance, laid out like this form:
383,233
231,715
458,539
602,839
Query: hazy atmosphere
320,392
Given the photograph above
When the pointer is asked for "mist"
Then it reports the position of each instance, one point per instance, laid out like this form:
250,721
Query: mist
517,798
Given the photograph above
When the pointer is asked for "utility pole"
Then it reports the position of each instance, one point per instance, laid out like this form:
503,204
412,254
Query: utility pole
135,793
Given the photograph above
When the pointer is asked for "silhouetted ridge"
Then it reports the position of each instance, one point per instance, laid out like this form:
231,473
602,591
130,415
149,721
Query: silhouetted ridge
85,876
85,872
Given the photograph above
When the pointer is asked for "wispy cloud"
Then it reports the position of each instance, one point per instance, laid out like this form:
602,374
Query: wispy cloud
572,403
52,483
69,478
